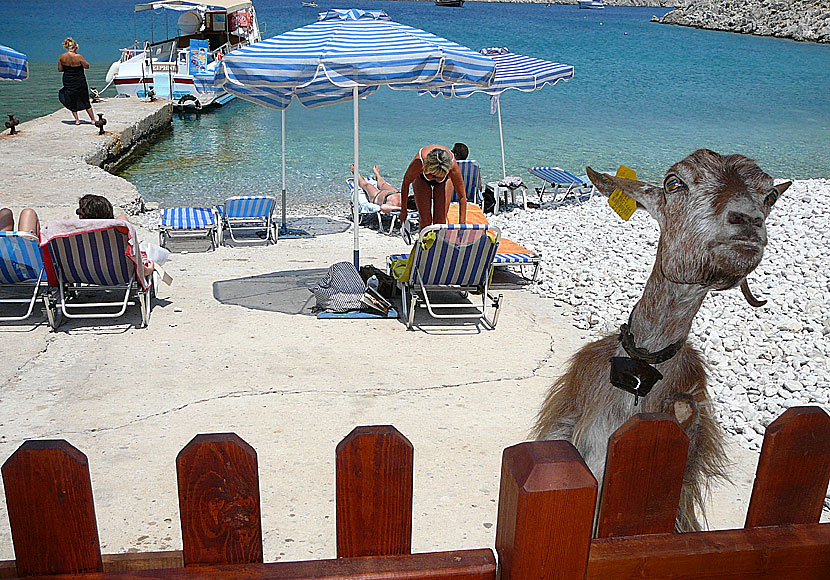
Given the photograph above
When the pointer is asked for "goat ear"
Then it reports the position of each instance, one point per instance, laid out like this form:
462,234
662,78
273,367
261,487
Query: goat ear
643,193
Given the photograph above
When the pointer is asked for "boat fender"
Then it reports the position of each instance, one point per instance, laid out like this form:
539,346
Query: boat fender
114,67
183,101
219,55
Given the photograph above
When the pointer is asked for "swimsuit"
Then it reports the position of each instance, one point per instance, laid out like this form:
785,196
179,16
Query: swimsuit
433,182
389,192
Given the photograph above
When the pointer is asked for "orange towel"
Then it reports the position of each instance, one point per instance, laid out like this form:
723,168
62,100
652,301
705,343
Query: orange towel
476,216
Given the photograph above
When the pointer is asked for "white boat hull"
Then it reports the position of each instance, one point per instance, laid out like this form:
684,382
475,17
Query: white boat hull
137,77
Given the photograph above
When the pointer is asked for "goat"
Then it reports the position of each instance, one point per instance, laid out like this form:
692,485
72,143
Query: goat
711,210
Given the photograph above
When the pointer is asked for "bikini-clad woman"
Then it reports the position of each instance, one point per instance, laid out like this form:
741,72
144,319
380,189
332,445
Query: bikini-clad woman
433,174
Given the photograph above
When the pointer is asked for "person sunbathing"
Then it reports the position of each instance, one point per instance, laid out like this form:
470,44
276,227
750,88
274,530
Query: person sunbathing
27,221
98,207
383,194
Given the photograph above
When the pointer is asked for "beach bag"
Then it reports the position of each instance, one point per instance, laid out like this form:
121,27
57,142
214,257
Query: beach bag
489,197
386,283
340,290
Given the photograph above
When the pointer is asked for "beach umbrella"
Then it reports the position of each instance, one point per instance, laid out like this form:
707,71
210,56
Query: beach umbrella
513,71
346,55
13,65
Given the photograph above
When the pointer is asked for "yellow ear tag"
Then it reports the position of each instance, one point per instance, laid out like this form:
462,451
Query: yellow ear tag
620,202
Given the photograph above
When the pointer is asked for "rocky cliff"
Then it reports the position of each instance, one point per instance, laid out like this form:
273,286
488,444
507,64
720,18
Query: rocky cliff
807,20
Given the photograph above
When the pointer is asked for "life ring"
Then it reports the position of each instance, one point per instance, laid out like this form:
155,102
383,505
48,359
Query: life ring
183,103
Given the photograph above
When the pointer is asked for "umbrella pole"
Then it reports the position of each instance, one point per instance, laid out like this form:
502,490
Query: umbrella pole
283,229
356,184
501,140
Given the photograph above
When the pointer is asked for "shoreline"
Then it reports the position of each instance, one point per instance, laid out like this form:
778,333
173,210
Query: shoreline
52,162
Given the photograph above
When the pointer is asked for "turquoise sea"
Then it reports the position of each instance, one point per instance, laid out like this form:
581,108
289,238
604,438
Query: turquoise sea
644,95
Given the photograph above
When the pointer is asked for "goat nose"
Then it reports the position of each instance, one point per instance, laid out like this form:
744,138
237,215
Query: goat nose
739,218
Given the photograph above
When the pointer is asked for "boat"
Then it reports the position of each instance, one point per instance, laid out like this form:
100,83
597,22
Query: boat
590,4
453,3
182,67
309,4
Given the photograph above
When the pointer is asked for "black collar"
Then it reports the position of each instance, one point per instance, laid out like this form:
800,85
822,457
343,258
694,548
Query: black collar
641,354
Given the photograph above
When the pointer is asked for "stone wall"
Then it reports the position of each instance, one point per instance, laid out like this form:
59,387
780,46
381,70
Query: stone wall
807,20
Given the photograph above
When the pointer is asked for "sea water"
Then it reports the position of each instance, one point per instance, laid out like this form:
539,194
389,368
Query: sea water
644,95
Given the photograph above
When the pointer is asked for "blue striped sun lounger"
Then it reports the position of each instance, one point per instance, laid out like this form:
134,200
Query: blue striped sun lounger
251,213
188,222
94,257
451,257
558,179
471,173
21,268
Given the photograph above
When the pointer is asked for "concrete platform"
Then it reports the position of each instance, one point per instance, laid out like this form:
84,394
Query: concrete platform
52,162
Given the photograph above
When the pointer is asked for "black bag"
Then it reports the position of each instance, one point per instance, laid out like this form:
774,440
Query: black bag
386,283
489,200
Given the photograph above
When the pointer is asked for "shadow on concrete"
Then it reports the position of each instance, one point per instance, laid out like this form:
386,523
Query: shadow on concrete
316,225
285,292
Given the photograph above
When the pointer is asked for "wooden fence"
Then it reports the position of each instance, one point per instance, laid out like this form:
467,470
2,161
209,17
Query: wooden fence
545,513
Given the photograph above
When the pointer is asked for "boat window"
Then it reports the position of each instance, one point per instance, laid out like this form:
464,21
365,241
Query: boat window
163,50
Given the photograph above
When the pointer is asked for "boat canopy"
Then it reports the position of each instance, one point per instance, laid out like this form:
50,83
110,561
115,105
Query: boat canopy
185,5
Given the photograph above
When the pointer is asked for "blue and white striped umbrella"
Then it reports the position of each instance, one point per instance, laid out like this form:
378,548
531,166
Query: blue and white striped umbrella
13,65
345,55
513,71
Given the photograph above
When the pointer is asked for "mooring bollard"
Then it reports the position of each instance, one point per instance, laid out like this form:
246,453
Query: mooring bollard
94,95
12,123
151,95
100,123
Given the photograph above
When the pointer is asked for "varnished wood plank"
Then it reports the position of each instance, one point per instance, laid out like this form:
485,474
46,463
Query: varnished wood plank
132,561
51,510
457,565
374,492
219,501
793,469
546,512
126,562
643,477
798,552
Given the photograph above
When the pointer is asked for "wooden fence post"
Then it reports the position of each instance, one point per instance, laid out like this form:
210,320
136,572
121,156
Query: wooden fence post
793,470
219,501
643,477
51,510
546,512
374,493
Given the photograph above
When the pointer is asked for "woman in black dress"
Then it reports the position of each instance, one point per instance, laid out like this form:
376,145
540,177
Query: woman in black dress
75,94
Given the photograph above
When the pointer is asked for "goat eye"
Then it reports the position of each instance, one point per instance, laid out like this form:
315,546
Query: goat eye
672,184
771,197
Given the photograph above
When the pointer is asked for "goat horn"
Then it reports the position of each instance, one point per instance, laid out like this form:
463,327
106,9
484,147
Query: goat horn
749,297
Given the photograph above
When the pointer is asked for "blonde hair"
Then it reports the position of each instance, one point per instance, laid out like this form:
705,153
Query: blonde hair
70,44
438,162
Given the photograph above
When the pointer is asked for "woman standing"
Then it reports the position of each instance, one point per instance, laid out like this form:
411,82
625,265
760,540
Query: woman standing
75,94
433,173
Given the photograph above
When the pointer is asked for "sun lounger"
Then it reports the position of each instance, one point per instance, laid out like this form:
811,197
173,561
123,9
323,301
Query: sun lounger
94,257
366,207
251,213
188,223
21,269
450,257
471,172
558,179
510,254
